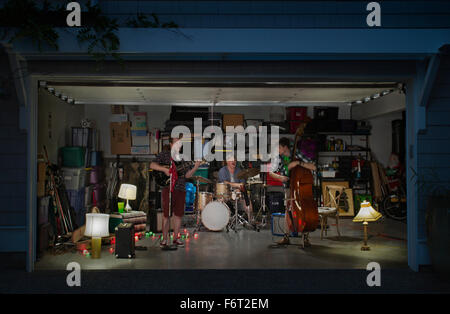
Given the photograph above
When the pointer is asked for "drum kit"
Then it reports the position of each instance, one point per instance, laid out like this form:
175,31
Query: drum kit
212,209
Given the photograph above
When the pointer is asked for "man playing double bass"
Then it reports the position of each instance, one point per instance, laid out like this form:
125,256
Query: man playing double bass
281,171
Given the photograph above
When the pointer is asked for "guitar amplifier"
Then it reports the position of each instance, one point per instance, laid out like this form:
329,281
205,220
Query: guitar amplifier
279,227
125,241
278,224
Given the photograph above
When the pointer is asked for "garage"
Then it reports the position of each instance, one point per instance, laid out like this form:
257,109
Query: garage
363,109
354,129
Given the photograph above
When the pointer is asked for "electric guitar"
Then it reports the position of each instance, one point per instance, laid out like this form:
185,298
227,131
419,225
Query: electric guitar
182,167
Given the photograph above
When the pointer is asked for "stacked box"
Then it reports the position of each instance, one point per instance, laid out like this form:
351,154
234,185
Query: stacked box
139,121
120,138
232,120
140,138
119,117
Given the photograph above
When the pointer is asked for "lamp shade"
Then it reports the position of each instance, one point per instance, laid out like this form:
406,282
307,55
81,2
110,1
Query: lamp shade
367,213
127,191
97,225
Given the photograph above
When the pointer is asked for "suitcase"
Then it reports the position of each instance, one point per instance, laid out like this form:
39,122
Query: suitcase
326,113
347,125
125,247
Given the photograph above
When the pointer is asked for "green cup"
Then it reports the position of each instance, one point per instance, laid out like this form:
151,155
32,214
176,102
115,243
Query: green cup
120,206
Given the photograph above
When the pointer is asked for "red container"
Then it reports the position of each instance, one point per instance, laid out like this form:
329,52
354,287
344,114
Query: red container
272,182
296,113
99,194
293,125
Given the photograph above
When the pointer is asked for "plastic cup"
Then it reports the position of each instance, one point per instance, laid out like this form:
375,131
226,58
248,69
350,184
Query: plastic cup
121,206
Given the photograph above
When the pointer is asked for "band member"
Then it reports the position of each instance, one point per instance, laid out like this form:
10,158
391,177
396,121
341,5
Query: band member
228,174
281,172
178,195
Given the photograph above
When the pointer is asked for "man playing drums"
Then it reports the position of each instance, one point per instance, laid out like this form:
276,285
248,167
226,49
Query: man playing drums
228,175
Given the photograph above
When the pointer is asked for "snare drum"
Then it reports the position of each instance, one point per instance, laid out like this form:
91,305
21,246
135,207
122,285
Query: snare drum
203,199
215,216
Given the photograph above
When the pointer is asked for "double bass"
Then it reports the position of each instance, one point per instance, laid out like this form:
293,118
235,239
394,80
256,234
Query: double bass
303,215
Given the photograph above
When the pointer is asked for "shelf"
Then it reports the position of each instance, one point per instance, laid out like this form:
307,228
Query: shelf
336,133
346,151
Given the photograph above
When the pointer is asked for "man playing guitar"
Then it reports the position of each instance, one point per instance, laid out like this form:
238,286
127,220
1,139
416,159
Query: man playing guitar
280,172
178,194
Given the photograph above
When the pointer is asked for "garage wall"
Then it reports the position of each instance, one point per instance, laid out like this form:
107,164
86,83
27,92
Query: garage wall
55,121
380,142
13,165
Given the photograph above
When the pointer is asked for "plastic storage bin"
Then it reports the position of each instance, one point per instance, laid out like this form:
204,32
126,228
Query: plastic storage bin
296,113
73,156
74,178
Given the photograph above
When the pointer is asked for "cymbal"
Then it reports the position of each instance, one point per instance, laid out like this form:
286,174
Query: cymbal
201,179
255,182
248,173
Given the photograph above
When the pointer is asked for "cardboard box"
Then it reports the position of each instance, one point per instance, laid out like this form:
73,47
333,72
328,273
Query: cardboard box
41,171
139,121
140,150
140,141
140,138
120,134
232,120
117,109
119,117
40,188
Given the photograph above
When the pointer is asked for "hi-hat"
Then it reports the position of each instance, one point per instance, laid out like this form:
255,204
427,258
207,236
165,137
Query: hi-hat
248,173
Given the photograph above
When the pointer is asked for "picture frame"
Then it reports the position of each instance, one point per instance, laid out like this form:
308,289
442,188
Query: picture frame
346,206
325,196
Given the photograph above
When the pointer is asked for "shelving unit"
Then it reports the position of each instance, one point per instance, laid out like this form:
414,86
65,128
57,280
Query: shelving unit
362,184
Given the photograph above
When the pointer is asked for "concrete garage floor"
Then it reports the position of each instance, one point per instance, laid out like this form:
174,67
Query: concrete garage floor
248,249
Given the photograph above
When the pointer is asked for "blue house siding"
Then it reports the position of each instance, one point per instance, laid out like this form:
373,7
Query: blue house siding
434,145
13,169
284,14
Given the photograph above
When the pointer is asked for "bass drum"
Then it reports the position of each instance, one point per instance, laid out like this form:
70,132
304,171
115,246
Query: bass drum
215,216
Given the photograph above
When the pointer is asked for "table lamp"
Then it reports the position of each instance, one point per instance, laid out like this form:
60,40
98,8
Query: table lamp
127,192
97,226
366,213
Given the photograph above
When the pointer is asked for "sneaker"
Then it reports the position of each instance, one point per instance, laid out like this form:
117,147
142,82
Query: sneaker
283,241
178,243
162,244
